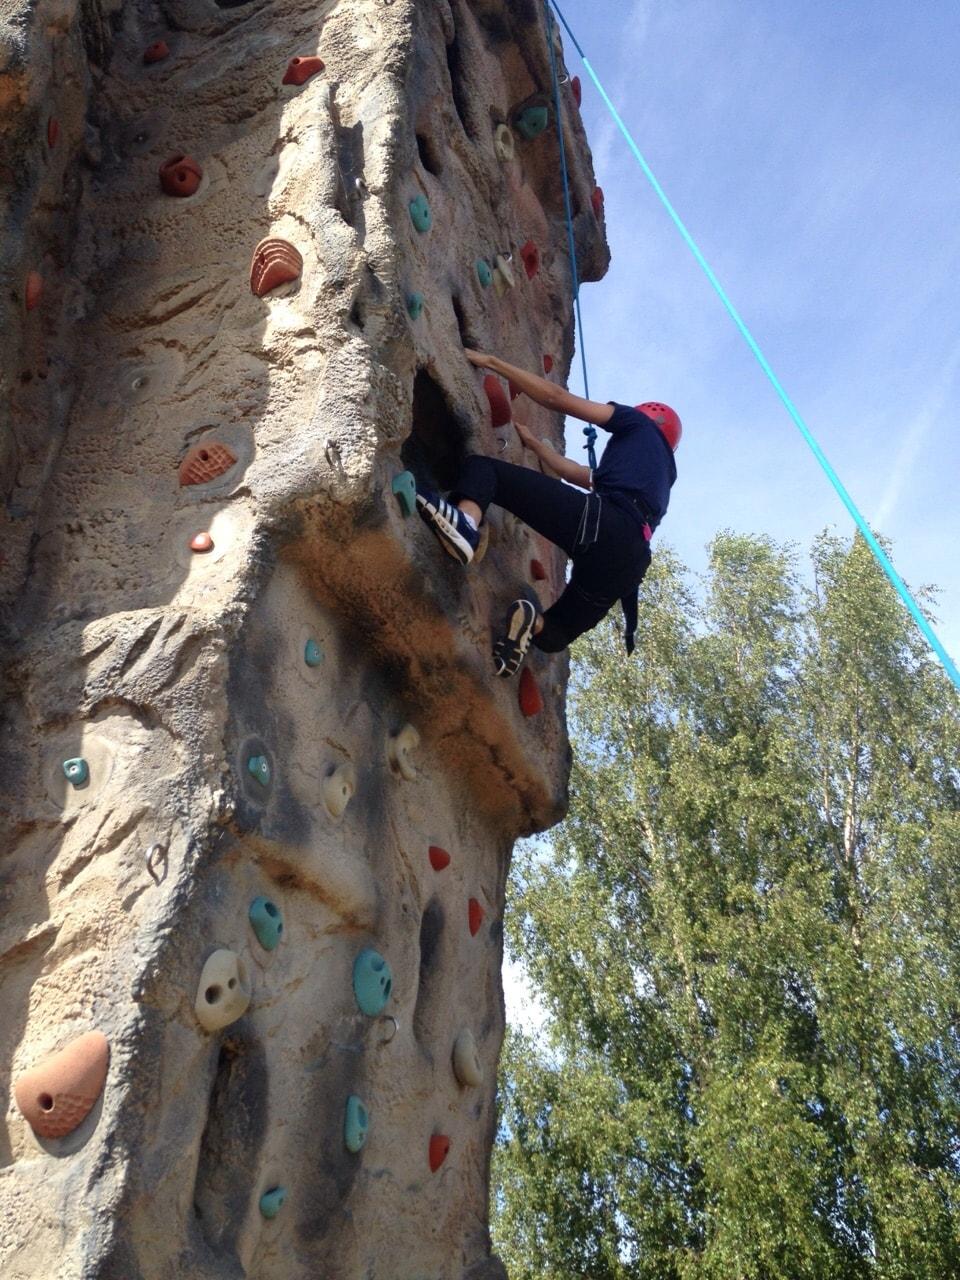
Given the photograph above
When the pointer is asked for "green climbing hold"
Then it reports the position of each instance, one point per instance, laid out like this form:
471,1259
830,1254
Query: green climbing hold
532,121
312,654
271,1202
76,771
356,1123
372,982
259,767
267,921
415,304
484,274
405,487
420,214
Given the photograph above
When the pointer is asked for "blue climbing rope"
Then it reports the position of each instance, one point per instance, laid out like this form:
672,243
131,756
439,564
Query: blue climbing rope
869,537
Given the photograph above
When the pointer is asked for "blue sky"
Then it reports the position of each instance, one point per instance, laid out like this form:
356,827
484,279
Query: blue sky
812,150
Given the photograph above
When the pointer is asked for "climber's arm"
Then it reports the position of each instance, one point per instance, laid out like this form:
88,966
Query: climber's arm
565,468
544,392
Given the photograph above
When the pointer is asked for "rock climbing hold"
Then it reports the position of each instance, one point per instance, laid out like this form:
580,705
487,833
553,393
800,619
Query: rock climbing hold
577,89
439,1150
514,390
180,176
505,271
372,982
53,131
547,364
597,201
58,1094
475,914
76,771
400,749
313,653
503,143
156,52
201,543
259,768
500,411
267,921
530,255
531,701
274,262
537,572
466,1060
405,487
439,858
532,121
338,788
356,1122
420,214
415,304
223,995
32,290
299,70
205,462
484,274
271,1202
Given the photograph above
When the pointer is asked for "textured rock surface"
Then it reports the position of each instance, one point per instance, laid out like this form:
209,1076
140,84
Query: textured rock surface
182,678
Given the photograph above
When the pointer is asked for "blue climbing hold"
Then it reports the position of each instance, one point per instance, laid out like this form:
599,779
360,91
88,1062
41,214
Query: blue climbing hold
532,121
405,487
372,982
484,274
415,305
356,1123
420,214
267,921
312,654
259,767
76,771
271,1202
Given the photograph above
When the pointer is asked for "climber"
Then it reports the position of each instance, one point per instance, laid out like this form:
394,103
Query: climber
606,532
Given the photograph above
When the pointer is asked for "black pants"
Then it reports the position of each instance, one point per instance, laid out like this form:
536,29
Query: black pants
602,573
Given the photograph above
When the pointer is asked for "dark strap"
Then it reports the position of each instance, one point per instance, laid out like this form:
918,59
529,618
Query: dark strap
630,603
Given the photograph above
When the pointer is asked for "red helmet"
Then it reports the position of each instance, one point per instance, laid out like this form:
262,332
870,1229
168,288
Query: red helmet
667,419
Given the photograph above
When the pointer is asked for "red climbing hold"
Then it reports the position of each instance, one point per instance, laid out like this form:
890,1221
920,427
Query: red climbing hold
58,1094
500,412
531,259
156,52
514,390
577,90
531,702
275,262
201,542
537,572
53,131
474,916
32,290
299,70
439,1149
547,364
439,858
180,176
205,462
597,201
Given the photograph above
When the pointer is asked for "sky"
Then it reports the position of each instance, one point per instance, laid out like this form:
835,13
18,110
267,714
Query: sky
812,147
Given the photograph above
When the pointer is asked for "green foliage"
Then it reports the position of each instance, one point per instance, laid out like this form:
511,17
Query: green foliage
745,934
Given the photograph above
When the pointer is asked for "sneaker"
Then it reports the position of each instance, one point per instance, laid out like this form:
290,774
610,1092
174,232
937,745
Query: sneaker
455,533
509,649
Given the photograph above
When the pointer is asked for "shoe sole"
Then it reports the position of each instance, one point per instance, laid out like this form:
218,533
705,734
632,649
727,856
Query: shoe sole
448,537
521,620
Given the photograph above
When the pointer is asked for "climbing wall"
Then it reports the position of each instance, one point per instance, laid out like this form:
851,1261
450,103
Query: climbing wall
260,784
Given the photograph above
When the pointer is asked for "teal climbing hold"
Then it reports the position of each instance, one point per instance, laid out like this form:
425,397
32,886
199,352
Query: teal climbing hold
312,653
76,771
259,767
405,487
532,121
271,1202
372,982
420,214
356,1123
484,274
267,921
415,305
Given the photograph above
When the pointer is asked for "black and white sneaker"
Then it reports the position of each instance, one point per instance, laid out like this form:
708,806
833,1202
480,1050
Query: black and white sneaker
509,649
455,533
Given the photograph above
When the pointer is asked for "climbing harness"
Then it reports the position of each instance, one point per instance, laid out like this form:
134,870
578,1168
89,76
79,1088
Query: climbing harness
868,535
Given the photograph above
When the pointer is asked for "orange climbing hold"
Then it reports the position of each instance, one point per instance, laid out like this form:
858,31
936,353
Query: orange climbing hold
475,914
577,88
547,364
597,201
180,176
500,412
53,131
201,542
439,1150
531,259
32,290
156,52
275,262
299,70
58,1094
205,462
531,701
439,858
537,572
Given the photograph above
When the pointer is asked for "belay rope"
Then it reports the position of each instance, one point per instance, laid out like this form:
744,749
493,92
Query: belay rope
869,537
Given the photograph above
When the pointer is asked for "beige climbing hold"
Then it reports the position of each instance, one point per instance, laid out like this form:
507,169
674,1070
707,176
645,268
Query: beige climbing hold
466,1059
503,142
504,271
339,788
223,995
400,749
58,1094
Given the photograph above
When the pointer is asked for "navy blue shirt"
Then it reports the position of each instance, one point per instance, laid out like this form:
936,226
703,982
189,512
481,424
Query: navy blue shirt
637,461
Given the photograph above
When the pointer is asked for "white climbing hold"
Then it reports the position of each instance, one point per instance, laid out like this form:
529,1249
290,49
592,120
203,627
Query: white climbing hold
466,1059
338,789
223,995
400,749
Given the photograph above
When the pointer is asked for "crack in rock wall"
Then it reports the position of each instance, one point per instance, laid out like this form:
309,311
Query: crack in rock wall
261,786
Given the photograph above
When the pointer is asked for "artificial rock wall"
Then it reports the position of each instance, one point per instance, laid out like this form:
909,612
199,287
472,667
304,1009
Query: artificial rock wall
260,787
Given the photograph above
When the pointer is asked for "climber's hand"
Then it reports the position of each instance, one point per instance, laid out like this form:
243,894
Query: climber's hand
478,358
525,434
